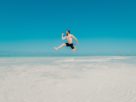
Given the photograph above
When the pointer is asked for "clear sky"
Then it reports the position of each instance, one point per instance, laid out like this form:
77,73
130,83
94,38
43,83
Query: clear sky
34,27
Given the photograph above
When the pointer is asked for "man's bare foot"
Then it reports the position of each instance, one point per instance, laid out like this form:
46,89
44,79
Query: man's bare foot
55,48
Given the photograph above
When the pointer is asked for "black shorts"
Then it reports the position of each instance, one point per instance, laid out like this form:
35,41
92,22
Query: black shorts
70,45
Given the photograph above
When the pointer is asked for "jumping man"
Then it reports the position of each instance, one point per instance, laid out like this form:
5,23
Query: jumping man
69,37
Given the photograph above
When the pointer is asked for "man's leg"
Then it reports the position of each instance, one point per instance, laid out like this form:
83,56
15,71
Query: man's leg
59,47
74,49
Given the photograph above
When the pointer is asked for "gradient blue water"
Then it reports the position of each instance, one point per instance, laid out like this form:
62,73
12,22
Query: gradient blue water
34,27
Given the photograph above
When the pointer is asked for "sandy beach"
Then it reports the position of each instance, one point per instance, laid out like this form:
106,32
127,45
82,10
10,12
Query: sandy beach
68,79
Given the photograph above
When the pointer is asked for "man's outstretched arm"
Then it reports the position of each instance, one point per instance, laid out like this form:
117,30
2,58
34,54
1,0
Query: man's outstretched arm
63,37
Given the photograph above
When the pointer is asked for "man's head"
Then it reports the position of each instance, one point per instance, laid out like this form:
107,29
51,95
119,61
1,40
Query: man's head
67,32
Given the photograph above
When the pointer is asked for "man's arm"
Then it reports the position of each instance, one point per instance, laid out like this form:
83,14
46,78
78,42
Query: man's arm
63,37
75,38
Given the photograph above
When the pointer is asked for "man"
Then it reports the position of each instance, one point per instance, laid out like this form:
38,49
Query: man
69,37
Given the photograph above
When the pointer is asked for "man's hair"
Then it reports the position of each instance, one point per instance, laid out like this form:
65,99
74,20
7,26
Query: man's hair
68,31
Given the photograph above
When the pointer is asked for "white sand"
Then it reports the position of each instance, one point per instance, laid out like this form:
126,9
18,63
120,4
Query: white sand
83,79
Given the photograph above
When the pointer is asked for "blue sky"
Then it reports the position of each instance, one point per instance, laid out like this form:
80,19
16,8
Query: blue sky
34,27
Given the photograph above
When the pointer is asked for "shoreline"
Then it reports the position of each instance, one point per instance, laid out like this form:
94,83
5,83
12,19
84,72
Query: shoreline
66,79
